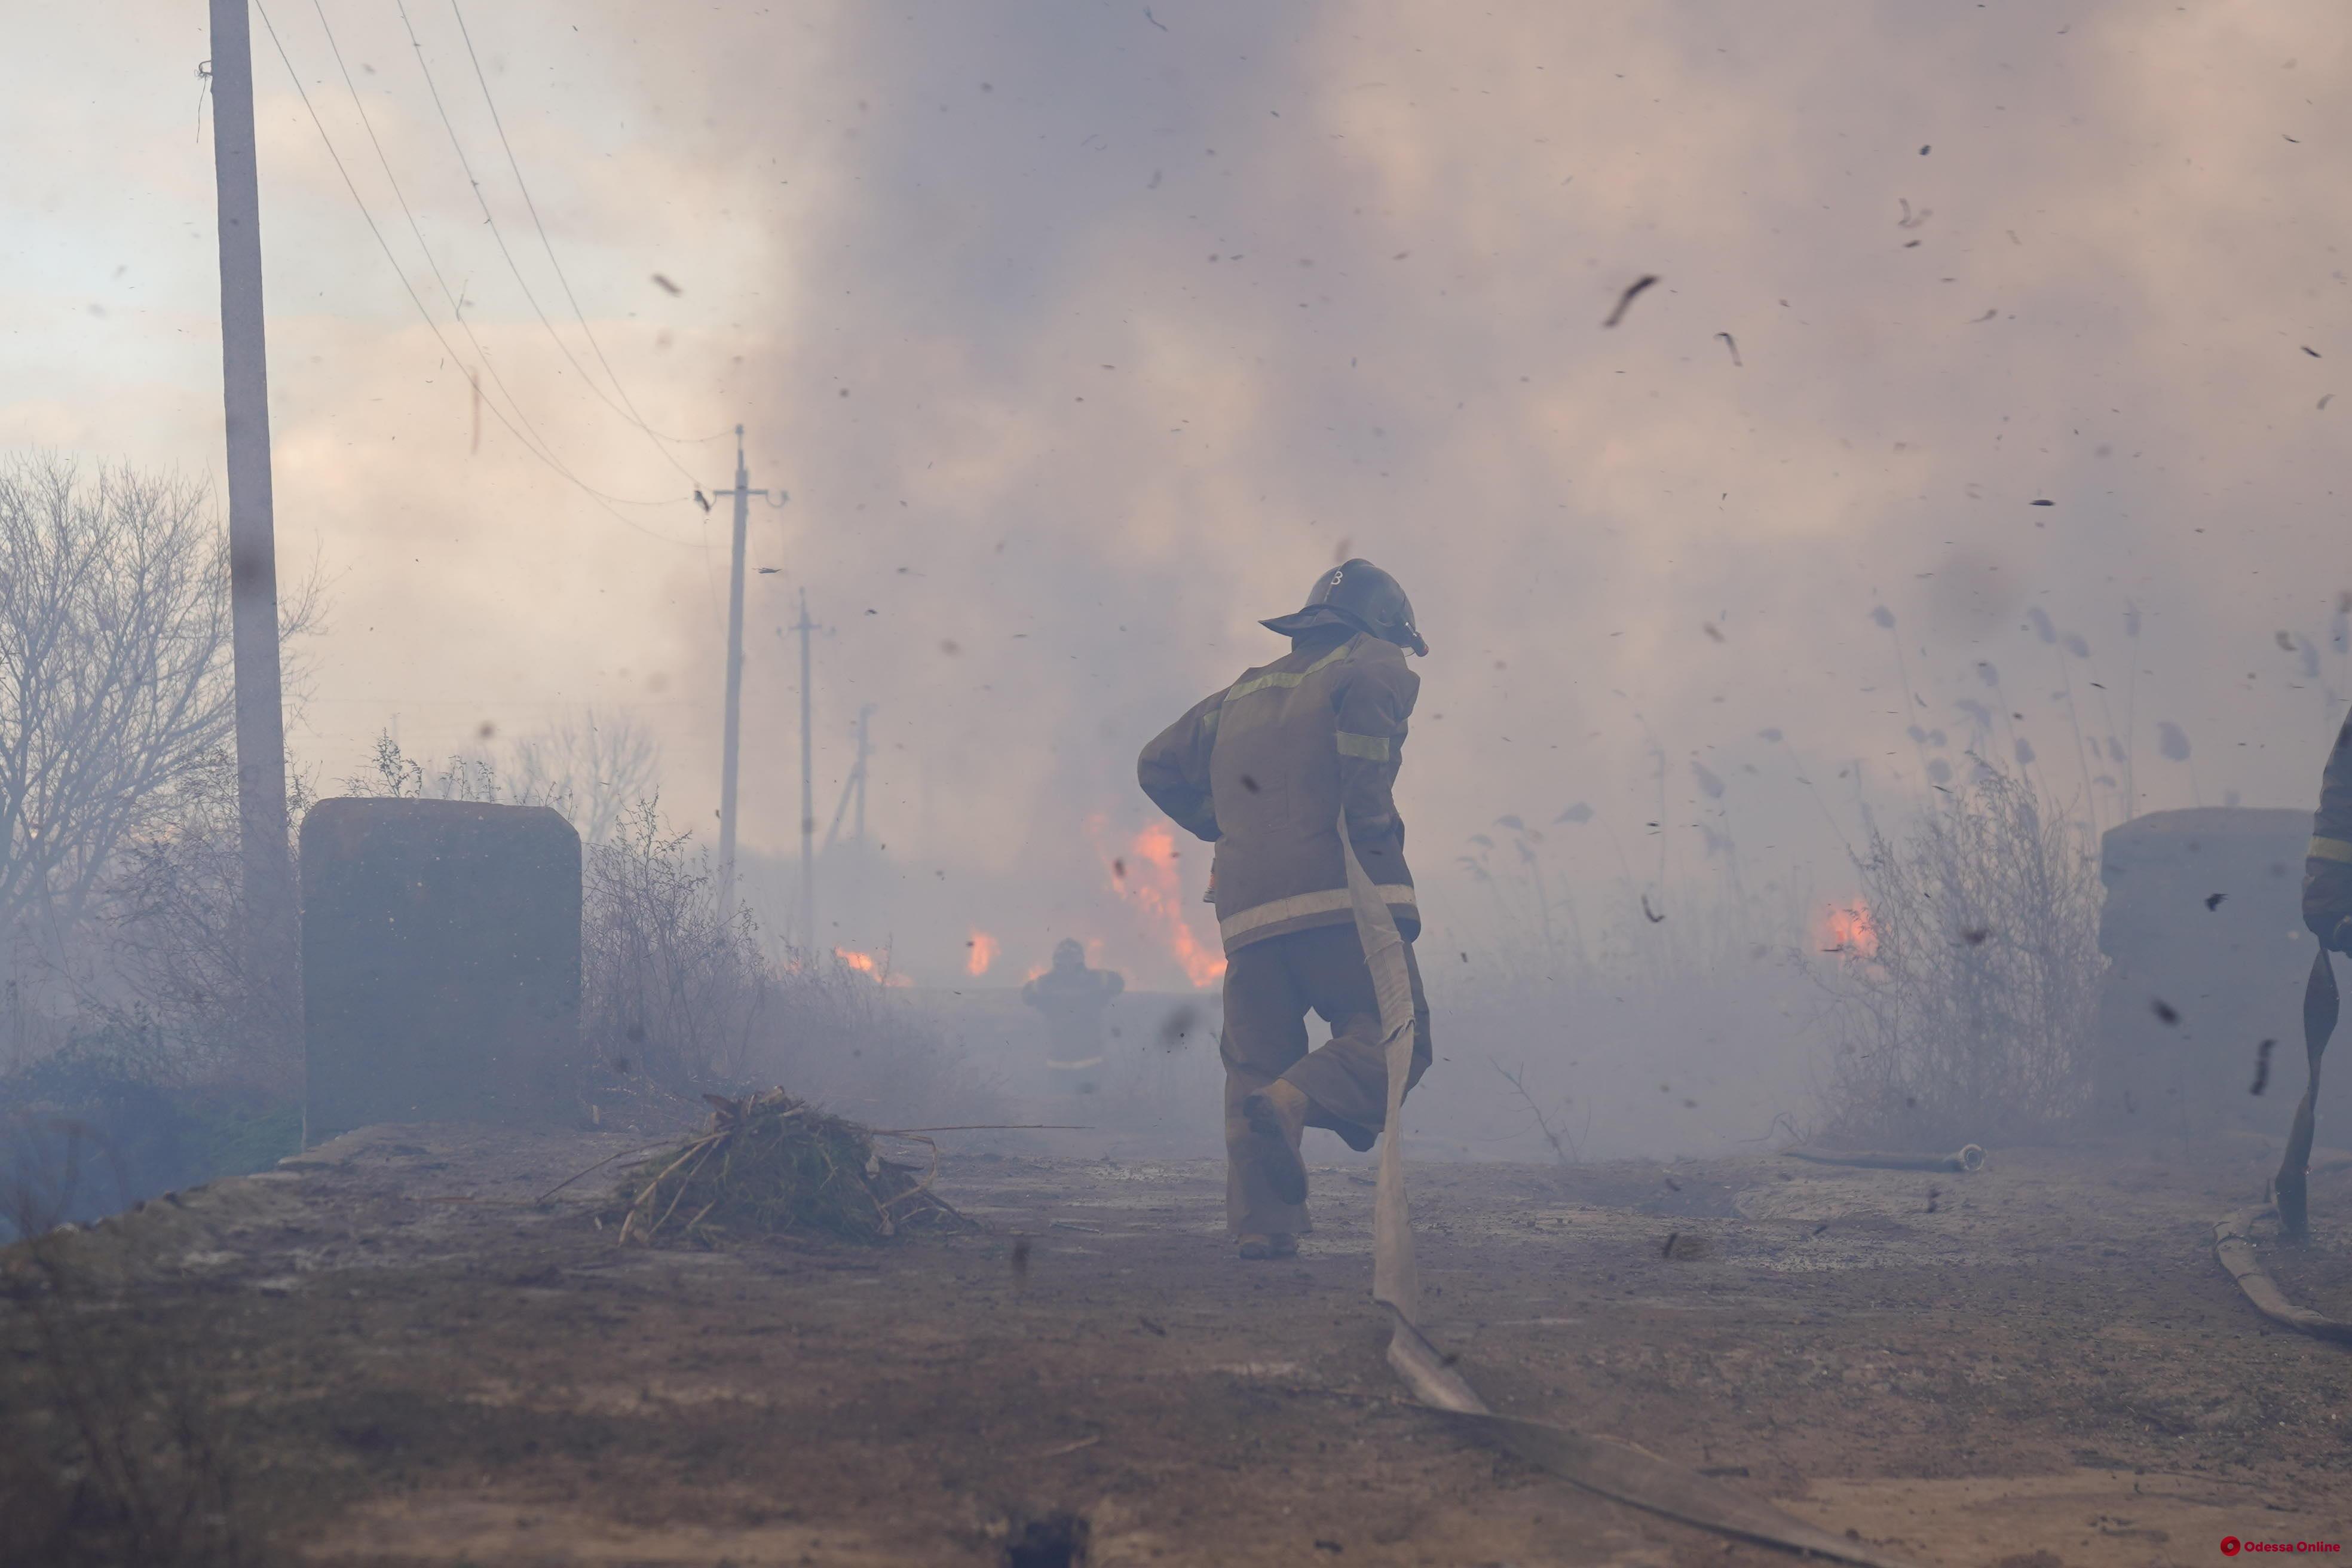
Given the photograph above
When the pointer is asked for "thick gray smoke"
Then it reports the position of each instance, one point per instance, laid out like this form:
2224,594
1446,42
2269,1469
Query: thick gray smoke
1082,339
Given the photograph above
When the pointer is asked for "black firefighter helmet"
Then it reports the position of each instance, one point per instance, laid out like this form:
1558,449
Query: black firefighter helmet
1360,594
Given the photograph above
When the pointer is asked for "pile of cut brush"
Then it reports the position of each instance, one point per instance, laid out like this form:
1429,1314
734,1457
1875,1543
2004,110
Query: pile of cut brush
772,1166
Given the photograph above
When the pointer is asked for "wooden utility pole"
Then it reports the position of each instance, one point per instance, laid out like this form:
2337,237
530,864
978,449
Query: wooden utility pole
268,870
732,749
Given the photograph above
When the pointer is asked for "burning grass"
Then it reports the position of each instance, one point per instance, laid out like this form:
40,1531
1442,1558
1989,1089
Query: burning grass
774,1166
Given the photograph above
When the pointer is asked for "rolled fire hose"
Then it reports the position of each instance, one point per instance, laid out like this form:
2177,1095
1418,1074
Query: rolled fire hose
1966,1157
1602,1465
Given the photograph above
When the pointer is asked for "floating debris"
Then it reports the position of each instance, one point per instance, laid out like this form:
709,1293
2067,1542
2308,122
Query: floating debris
1627,298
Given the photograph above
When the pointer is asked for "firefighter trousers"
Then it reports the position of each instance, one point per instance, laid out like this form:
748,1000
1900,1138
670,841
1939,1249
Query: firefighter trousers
1270,987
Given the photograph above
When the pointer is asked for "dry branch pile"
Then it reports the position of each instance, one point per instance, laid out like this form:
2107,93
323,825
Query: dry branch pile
774,1166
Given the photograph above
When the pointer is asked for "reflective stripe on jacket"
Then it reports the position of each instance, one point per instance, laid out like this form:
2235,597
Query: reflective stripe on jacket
1262,768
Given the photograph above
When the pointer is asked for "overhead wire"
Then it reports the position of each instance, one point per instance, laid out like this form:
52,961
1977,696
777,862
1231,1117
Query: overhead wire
456,304
532,207
457,145
627,408
431,325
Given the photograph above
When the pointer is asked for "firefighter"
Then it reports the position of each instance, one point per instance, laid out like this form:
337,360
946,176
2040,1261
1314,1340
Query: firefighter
2328,865
1263,769
1073,998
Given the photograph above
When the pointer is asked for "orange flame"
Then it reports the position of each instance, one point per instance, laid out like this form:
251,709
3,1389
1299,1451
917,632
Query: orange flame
1145,877
864,963
984,953
1848,928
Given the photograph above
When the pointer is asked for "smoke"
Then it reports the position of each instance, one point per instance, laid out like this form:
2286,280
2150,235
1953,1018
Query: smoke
1082,343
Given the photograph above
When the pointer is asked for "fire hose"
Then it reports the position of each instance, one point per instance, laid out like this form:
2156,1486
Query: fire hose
1966,1157
2233,1238
1604,1466
2234,1248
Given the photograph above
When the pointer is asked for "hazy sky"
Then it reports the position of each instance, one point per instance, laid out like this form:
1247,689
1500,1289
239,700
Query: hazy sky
1082,337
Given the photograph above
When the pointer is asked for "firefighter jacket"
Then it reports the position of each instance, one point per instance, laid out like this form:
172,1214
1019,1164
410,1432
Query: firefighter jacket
1073,998
2328,866
1262,768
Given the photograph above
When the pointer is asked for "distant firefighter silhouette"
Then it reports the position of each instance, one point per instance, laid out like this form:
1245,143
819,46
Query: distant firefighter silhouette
1073,998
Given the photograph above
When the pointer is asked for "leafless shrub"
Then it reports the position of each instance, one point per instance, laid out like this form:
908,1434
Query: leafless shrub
595,771
394,774
670,986
675,992
1961,1003
173,963
591,768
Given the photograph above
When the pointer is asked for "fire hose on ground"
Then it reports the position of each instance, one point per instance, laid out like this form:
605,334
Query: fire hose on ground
2233,1238
1604,1466
1966,1157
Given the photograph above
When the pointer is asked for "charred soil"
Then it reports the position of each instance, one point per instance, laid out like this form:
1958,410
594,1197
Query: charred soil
415,1363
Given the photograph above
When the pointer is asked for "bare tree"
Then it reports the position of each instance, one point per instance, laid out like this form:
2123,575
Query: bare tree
597,771
114,672
594,769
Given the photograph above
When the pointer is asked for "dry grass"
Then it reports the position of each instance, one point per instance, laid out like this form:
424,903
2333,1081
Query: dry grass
110,1449
772,1166
1968,1014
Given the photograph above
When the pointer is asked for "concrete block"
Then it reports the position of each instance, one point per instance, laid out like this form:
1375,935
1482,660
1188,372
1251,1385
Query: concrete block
440,963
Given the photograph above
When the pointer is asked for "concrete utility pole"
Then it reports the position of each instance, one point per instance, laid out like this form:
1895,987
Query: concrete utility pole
268,870
808,799
742,493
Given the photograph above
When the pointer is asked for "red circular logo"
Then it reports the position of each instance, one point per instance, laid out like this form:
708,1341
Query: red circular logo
2228,1546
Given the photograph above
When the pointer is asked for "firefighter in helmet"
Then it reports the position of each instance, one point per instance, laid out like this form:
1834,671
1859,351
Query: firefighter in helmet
1264,770
1072,999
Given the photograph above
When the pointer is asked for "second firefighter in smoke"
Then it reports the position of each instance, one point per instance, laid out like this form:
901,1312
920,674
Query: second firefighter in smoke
1073,998
1264,770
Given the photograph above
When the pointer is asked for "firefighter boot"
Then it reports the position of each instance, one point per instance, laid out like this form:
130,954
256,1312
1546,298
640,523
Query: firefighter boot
1278,1119
1281,1244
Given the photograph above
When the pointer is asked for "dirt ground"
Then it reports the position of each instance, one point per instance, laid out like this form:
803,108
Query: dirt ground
2039,1365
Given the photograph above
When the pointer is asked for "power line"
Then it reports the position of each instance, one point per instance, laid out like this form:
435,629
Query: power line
457,306
410,288
532,207
466,164
626,408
